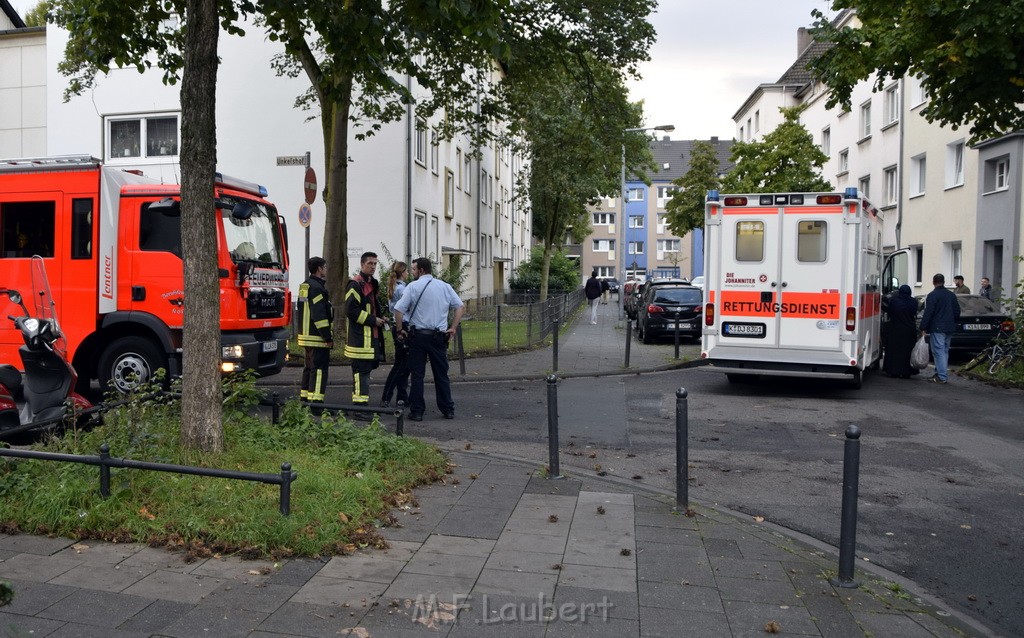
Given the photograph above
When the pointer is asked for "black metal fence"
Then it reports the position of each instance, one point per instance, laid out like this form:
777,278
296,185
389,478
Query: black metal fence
519,319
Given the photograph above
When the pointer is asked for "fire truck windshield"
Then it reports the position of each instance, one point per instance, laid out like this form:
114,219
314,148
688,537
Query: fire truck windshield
254,239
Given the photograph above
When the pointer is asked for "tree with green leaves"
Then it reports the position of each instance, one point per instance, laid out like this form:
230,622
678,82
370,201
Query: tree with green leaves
686,208
36,16
787,159
563,273
970,56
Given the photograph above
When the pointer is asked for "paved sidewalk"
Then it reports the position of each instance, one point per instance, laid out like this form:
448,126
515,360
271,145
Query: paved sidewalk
494,551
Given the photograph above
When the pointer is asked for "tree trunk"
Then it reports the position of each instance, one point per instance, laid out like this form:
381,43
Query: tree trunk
336,222
201,426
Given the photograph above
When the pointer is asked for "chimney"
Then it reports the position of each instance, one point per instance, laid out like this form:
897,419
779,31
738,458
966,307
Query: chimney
803,40
714,139
666,138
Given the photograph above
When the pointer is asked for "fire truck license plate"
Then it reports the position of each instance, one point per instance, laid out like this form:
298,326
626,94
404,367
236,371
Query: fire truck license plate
753,330
269,346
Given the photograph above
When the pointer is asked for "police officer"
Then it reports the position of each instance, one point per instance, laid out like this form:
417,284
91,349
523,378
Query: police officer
363,342
425,305
315,336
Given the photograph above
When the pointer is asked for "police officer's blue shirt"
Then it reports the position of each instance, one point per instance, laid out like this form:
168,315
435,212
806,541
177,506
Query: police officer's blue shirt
432,310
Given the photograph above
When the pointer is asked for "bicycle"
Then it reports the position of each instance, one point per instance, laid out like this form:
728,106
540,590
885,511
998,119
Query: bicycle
1000,355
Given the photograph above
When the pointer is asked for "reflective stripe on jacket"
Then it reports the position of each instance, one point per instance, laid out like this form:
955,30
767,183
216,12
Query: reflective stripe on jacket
360,308
316,314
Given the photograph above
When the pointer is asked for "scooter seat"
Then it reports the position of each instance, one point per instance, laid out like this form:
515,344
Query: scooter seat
10,377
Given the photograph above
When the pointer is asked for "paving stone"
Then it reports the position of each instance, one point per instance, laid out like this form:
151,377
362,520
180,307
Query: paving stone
519,561
476,522
73,630
525,584
829,613
445,565
763,550
362,567
606,498
545,501
413,585
223,622
670,623
39,545
519,541
340,593
682,597
614,604
402,623
458,545
396,550
666,519
595,628
601,552
747,568
506,474
318,621
31,598
6,554
92,607
35,567
939,628
475,629
491,610
156,616
722,547
891,625
559,527
165,585
296,572
672,536
18,626
251,596
598,577
664,563
792,619
236,568
757,591
540,485
93,552
103,576
162,559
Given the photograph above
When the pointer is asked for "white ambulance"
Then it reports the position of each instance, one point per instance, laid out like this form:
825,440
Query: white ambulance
793,285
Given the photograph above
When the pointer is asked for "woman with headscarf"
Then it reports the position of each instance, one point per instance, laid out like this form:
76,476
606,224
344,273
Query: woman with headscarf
901,335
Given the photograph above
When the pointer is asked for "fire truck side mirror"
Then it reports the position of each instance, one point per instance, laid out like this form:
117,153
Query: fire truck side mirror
167,206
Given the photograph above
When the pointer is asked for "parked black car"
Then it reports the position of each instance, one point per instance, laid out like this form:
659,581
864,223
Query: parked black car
981,321
613,284
660,306
632,303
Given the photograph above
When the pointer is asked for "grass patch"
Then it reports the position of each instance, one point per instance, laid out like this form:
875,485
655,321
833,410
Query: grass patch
348,479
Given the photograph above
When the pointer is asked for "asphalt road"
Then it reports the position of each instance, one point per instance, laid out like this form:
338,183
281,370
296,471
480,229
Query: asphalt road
941,477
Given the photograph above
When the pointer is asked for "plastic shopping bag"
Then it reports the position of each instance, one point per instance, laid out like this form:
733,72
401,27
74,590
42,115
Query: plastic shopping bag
919,355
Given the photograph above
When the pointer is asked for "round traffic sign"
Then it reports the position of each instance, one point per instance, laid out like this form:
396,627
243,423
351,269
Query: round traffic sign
305,215
309,185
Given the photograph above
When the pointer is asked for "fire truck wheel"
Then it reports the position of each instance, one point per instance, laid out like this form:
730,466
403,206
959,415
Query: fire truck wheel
130,362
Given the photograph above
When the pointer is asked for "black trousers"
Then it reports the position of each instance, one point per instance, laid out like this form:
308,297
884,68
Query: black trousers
314,374
429,345
398,378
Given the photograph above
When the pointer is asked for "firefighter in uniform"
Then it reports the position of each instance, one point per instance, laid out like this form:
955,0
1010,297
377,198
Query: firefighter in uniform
315,336
363,344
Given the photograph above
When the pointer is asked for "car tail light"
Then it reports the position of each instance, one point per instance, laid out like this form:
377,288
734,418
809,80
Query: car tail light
851,319
709,314
653,309
1007,326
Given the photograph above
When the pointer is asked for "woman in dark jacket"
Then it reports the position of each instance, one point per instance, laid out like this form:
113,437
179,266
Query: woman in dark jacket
901,334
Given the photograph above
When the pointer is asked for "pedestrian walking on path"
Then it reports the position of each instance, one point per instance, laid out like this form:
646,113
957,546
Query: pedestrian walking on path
593,292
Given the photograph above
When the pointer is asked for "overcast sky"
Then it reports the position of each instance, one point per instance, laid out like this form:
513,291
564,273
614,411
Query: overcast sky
709,56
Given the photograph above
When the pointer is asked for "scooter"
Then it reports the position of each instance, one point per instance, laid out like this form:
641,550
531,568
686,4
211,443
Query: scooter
47,393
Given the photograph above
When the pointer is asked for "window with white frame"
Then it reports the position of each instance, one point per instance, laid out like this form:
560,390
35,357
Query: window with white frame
449,194
864,184
467,174
141,137
467,234
421,142
636,221
750,129
435,144
918,94
892,105
757,121
604,219
662,222
636,248
635,194
865,120
826,140
485,246
485,184
605,272
667,246
458,167
844,161
956,254
955,164
996,175
892,186
918,174
664,194
741,134
603,245
435,236
419,232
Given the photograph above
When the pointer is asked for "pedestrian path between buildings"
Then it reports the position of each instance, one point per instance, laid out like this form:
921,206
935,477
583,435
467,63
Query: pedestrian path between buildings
497,549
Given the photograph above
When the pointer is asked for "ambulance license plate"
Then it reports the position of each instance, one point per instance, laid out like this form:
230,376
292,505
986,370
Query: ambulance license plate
747,330
269,346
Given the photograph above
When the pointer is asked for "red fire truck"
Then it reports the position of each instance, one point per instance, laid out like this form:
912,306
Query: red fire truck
111,240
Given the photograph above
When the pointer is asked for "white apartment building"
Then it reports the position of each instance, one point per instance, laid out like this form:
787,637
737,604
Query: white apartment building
22,86
957,207
409,191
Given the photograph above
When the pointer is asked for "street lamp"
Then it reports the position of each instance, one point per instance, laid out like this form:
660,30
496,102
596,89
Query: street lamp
668,128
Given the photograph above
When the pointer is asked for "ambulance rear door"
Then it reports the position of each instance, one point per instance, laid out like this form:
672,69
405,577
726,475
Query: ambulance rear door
747,271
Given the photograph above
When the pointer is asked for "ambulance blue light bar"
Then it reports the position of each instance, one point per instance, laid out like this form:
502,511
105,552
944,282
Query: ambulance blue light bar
851,193
712,196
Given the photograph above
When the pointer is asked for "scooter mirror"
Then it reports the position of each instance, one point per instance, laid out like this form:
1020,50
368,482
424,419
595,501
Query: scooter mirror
14,296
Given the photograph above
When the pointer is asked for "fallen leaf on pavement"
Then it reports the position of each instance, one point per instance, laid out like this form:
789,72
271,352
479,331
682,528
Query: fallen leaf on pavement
772,627
759,519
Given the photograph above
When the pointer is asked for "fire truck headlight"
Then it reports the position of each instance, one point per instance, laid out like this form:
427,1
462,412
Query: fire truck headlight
231,352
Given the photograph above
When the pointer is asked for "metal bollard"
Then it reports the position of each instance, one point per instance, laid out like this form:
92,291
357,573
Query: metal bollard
629,338
553,469
104,471
497,330
848,525
682,451
554,347
275,409
287,476
677,334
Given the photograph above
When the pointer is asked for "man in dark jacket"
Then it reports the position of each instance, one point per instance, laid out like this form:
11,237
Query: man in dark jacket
315,318
941,314
363,343
593,292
